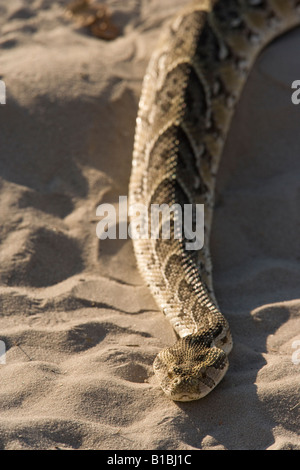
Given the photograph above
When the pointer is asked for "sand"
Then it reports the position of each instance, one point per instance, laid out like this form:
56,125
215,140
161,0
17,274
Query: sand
81,329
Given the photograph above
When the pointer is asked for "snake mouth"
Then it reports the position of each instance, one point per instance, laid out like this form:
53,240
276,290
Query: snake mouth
186,398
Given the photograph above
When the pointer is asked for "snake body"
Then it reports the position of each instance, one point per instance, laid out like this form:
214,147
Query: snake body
192,84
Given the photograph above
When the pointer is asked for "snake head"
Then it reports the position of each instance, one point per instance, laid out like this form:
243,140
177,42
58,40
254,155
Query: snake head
191,368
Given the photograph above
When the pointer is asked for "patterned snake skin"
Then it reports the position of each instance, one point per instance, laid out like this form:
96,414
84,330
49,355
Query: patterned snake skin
194,79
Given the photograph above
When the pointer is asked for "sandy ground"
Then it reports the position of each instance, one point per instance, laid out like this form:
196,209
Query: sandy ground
80,328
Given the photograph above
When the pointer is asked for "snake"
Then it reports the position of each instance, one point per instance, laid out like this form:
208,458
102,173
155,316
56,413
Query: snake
190,90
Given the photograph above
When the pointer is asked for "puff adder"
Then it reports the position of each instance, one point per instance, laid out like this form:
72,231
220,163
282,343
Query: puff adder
193,82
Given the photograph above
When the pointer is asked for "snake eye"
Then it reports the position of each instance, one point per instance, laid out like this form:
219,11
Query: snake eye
170,375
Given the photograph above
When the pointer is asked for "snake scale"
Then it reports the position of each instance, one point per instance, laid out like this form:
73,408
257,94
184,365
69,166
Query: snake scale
194,79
